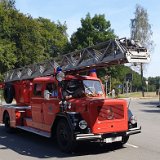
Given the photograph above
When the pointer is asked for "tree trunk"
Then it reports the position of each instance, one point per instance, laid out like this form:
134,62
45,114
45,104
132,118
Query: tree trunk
142,81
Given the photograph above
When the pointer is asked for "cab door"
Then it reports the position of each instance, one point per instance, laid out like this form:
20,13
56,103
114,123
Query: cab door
37,104
51,106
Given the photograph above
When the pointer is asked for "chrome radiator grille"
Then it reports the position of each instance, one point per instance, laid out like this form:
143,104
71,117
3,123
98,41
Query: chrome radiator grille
111,112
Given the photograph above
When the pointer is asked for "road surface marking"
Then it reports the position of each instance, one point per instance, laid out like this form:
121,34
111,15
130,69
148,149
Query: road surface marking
131,145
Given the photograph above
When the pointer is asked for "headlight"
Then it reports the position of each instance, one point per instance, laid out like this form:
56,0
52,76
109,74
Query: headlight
133,120
82,124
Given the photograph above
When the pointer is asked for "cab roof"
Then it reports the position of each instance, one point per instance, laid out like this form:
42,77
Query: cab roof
68,77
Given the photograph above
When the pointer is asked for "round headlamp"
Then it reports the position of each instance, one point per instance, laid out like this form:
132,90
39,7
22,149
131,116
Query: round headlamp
133,120
82,124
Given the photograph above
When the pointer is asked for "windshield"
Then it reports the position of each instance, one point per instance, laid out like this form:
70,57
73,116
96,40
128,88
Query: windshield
92,87
81,88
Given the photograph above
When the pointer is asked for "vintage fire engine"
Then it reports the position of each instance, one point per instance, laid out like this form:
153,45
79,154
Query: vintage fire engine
53,98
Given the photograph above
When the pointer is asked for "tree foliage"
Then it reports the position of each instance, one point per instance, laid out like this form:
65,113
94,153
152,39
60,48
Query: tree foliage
24,40
141,28
119,77
141,31
8,4
92,31
153,83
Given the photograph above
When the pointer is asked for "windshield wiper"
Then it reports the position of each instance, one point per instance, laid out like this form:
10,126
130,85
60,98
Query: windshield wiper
88,88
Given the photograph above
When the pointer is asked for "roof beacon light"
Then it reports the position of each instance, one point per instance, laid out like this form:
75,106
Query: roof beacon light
60,75
93,73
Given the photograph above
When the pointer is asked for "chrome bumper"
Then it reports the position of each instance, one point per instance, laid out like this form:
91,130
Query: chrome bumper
133,131
91,136
88,136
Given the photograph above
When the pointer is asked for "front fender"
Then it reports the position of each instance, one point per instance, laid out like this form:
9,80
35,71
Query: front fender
72,118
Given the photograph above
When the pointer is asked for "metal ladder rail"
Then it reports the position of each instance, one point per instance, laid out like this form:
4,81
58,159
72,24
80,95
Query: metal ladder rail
117,51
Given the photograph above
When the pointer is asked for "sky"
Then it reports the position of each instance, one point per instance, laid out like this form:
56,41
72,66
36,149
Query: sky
118,12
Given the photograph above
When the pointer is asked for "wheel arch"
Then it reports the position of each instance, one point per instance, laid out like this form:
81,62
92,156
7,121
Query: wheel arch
72,119
60,116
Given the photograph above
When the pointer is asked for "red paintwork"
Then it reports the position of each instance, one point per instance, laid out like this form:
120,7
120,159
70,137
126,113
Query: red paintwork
43,112
1,85
23,91
90,109
93,74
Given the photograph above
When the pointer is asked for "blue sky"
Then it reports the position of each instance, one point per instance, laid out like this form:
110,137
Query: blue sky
118,12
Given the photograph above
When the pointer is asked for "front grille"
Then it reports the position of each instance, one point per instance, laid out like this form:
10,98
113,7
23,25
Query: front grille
111,112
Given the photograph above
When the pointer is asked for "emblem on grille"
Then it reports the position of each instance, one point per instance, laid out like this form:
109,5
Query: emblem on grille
110,114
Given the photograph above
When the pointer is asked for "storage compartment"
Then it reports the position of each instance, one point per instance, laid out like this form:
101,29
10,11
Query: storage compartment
23,92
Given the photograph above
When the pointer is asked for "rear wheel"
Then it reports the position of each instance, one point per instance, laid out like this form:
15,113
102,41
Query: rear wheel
65,138
8,127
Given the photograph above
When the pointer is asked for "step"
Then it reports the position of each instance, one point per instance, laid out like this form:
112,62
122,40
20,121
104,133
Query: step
34,130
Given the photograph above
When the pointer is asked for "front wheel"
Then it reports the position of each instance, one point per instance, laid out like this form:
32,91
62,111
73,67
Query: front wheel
65,138
125,139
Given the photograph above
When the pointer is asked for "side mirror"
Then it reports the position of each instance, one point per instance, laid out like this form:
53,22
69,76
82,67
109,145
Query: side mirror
46,95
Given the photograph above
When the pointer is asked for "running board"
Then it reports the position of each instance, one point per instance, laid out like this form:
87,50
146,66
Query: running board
34,130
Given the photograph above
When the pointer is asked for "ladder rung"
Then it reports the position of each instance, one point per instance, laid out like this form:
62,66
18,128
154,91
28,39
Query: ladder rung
107,53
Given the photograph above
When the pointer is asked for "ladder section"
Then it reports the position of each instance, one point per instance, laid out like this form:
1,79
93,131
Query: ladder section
112,52
118,51
29,72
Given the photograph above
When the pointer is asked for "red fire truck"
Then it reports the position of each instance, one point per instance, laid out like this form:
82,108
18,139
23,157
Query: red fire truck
53,98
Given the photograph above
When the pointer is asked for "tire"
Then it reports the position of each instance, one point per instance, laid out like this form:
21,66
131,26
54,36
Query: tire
65,138
6,121
125,139
9,93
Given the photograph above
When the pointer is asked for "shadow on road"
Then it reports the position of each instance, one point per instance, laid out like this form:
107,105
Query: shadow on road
151,106
151,103
32,145
151,110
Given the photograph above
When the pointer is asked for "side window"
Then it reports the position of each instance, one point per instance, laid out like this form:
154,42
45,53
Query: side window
52,88
38,89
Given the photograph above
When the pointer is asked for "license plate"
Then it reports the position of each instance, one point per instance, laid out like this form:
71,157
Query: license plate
113,139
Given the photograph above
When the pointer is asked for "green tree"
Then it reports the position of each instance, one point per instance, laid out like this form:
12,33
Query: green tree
153,83
7,56
7,47
8,4
53,36
141,31
24,40
92,31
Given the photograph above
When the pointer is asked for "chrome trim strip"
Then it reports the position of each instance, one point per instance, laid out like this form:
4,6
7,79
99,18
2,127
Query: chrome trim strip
87,136
133,131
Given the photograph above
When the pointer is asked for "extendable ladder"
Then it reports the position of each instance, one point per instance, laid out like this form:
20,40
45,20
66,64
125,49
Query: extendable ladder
112,52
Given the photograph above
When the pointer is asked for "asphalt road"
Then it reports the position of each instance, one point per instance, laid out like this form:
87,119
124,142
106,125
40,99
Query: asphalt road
145,146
